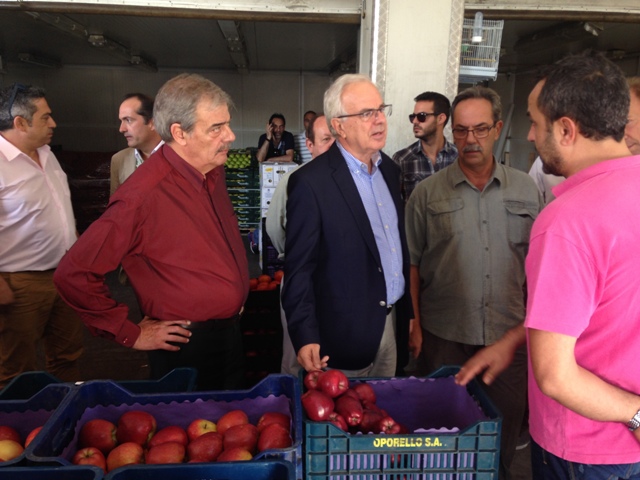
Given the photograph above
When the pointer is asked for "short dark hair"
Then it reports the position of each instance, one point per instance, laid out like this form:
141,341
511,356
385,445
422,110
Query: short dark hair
589,89
146,105
483,93
277,115
21,100
441,103
309,132
308,112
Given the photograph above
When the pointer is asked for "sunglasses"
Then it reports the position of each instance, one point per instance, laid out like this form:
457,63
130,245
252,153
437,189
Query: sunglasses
17,87
422,116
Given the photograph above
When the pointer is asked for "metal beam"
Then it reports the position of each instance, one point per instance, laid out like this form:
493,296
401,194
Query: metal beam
592,10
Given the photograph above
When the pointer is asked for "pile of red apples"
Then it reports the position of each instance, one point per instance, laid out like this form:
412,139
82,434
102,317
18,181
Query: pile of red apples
11,445
134,440
353,409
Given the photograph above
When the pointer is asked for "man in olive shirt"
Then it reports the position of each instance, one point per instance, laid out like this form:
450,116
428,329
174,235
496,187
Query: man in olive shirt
468,234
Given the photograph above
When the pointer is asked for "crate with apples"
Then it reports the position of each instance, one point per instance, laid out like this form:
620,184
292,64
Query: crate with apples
104,424
396,427
21,421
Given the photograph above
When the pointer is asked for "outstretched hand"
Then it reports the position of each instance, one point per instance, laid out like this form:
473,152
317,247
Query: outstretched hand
309,358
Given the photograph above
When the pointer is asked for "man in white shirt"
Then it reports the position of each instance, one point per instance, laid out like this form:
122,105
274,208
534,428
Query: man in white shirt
318,141
301,138
136,124
37,227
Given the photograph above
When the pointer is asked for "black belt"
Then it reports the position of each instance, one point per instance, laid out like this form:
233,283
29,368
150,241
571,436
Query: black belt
214,323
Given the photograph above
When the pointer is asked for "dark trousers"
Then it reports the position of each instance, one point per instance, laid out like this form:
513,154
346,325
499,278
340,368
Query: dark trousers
217,355
508,392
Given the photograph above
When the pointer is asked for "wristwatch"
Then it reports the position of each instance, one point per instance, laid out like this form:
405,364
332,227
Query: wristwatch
634,422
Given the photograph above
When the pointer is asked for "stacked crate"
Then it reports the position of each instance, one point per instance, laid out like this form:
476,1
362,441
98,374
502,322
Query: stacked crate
243,185
270,175
261,334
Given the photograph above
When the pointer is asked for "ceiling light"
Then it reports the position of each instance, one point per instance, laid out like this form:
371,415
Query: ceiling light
477,28
38,60
61,22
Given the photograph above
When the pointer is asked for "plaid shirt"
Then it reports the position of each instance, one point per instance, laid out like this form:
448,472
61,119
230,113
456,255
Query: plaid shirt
416,166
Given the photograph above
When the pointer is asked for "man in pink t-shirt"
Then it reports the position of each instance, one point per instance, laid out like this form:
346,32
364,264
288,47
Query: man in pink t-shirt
583,277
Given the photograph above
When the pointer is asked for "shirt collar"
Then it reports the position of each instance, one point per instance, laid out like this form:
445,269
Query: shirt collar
11,152
355,165
458,176
138,155
448,148
193,176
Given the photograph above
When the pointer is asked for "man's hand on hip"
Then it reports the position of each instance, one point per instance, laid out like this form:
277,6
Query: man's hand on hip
156,334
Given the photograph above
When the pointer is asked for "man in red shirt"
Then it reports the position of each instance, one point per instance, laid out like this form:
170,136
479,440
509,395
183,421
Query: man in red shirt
173,229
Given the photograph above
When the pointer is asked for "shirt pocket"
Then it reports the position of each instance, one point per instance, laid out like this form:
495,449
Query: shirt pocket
520,218
446,217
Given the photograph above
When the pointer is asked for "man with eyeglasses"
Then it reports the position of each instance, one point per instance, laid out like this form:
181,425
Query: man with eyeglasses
432,152
172,228
468,232
37,227
346,294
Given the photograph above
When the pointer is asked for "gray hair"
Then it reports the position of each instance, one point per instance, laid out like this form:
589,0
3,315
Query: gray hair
178,100
24,97
482,93
333,96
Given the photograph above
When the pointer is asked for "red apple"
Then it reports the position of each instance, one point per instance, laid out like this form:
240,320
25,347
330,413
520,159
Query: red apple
229,419
235,455
98,433
136,426
350,409
205,448
317,405
311,380
338,420
10,449
351,393
172,433
389,426
32,434
370,421
365,392
200,426
333,382
274,417
90,456
243,436
169,452
9,433
127,453
274,436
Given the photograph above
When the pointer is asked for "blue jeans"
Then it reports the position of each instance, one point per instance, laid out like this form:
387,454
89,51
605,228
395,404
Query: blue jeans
546,466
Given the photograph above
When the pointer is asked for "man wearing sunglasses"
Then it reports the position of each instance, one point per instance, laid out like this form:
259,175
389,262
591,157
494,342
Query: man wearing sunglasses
432,152
37,227
468,231
346,294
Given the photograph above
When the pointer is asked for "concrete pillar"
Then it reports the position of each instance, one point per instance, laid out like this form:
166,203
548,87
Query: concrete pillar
409,47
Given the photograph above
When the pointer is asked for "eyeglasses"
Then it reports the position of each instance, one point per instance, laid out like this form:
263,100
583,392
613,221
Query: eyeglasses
368,114
422,116
17,87
478,132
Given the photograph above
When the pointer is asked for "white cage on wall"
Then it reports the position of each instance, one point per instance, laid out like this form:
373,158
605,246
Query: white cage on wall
479,59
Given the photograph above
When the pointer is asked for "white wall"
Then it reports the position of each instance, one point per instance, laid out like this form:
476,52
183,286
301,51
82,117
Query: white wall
85,100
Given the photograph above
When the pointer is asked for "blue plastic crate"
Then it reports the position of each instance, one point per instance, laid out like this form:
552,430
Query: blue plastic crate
74,472
459,438
178,380
26,385
107,400
26,414
266,470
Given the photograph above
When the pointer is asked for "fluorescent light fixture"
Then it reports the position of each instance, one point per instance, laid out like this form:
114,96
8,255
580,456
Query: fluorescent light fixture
61,22
477,28
39,61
